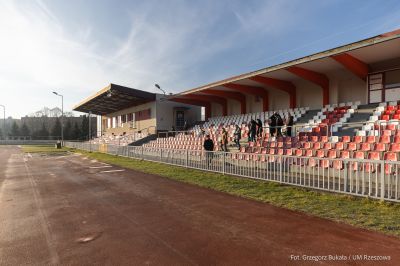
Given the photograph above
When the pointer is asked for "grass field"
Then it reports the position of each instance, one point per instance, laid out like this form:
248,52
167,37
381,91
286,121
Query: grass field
361,212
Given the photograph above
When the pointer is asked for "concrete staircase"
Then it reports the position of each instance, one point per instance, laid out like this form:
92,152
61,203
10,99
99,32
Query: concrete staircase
307,116
362,114
144,140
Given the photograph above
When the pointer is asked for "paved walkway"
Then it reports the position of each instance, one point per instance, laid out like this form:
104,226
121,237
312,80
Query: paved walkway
71,210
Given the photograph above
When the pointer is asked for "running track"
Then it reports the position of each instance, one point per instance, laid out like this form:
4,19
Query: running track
70,210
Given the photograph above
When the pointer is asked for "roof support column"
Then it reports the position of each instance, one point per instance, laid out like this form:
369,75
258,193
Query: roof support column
314,77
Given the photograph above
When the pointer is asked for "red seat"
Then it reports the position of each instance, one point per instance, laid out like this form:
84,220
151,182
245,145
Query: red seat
390,168
328,146
322,163
338,164
371,167
381,147
396,139
357,139
317,145
352,146
339,146
386,132
365,146
385,117
346,139
396,116
384,139
324,139
357,155
314,138
288,152
394,147
307,145
370,139
391,127
298,152
311,161
264,151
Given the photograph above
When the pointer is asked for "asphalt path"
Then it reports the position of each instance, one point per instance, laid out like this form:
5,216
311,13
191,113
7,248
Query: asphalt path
71,210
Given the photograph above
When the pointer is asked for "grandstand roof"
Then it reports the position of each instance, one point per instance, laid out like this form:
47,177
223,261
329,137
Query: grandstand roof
356,57
114,98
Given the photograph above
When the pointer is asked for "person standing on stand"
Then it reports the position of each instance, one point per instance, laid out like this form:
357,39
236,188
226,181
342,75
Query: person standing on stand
208,146
289,126
253,130
224,140
237,136
259,128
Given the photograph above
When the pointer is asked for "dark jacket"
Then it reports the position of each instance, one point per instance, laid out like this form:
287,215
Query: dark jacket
208,145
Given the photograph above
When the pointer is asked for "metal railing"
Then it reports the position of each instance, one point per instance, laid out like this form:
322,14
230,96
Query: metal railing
367,178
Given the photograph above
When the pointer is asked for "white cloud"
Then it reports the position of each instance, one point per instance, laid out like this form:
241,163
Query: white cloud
38,55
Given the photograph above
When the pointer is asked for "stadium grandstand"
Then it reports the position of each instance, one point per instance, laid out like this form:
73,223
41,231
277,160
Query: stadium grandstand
344,102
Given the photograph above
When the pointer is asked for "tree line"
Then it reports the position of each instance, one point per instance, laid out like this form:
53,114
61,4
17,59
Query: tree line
72,130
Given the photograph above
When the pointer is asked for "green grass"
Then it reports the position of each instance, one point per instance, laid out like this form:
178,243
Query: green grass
43,149
361,212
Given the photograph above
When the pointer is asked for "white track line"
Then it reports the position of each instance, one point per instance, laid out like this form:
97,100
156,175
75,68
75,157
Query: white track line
112,171
103,166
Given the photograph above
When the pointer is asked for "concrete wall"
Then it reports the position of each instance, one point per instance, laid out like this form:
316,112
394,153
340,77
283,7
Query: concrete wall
140,125
233,107
278,100
166,114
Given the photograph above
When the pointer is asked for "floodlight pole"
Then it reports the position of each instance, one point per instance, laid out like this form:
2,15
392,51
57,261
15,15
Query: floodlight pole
62,117
4,120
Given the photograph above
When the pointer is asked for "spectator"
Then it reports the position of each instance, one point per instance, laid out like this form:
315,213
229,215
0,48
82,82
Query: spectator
209,147
224,140
259,128
237,136
279,125
173,131
289,125
272,125
253,130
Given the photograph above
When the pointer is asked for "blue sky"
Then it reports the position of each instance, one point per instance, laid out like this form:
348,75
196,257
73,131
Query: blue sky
78,47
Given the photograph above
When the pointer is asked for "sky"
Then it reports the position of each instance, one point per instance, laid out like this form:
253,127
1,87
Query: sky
78,47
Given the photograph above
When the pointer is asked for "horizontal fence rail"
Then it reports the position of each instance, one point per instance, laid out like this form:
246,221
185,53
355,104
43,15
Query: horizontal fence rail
367,178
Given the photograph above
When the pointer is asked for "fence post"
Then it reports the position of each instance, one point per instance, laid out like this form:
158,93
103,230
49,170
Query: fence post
382,180
187,159
345,169
280,168
161,155
142,152
223,162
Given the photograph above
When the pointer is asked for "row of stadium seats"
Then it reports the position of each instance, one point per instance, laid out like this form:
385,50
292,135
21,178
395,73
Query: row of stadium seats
121,140
216,123
331,115
384,118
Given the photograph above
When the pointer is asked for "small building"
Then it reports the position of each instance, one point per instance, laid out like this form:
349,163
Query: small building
122,110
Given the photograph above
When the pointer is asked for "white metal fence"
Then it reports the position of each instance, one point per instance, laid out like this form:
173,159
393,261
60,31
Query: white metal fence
368,178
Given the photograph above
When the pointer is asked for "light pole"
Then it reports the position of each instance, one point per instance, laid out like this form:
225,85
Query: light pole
4,120
62,117
158,87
